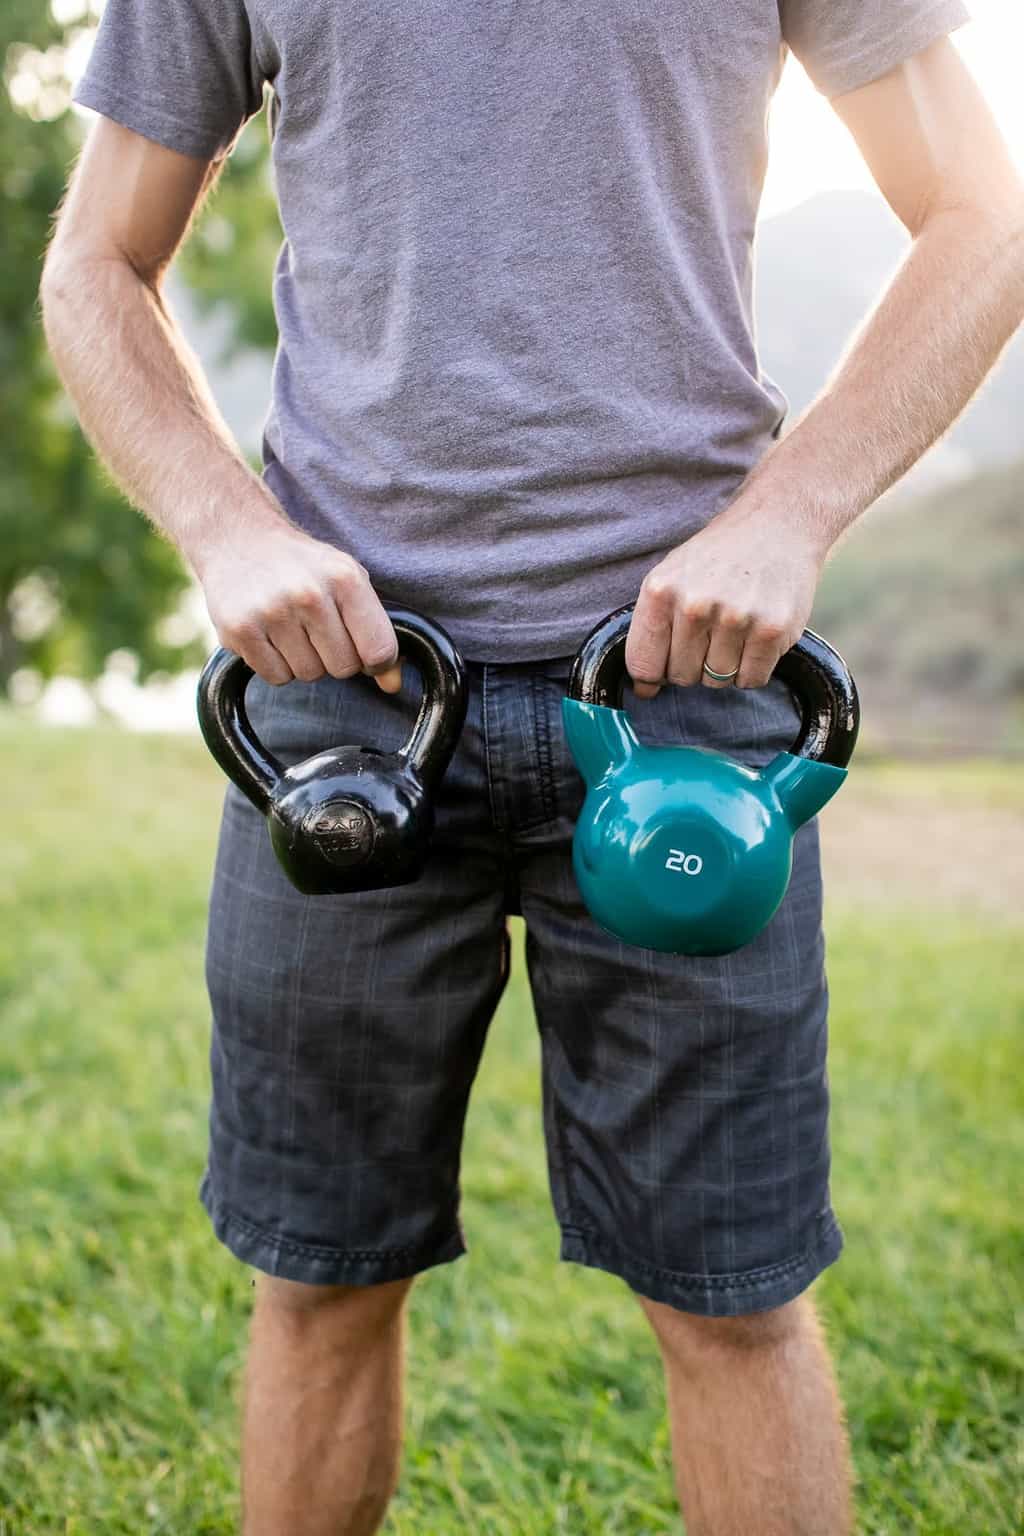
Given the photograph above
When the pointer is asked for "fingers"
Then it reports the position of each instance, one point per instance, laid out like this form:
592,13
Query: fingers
671,639
691,637
768,640
259,652
649,641
316,615
748,647
724,654
298,650
326,634
371,632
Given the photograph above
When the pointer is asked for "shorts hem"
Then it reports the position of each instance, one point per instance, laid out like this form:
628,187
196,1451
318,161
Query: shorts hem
711,1295
316,1264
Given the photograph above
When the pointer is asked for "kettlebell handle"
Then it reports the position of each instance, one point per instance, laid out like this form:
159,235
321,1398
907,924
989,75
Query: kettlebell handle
814,671
235,746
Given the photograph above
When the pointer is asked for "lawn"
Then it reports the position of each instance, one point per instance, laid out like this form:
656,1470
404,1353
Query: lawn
535,1400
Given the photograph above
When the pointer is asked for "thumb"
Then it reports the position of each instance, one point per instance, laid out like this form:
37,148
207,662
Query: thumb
391,680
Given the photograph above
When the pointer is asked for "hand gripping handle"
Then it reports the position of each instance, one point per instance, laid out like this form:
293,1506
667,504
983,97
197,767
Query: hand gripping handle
814,671
235,746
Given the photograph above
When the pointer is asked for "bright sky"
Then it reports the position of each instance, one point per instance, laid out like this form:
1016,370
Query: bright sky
811,149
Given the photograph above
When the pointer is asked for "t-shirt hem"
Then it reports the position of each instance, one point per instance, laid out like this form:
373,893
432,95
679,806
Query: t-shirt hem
834,77
152,122
545,640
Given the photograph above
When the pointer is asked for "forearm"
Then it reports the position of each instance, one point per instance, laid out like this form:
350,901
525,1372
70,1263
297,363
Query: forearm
291,605
915,364
741,591
145,405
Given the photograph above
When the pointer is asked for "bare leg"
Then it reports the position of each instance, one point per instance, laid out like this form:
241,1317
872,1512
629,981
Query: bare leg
323,1409
757,1430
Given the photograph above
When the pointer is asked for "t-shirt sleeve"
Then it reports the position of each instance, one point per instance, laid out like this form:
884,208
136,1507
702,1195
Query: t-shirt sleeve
182,72
844,44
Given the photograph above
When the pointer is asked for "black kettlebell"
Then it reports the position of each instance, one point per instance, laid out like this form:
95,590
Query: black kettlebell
352,818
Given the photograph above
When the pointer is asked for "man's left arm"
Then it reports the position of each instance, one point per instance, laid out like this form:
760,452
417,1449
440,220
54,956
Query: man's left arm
739,593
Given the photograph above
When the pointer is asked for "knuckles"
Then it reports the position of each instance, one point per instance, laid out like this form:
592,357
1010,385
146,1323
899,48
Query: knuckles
347,577
239,635
309,672
760,633
657,589
378,657
345,666
307,601
733,620
660,592
770,631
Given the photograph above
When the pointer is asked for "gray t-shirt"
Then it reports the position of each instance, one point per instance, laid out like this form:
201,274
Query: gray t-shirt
516,360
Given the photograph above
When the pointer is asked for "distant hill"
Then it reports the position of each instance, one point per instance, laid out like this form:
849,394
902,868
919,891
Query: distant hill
820,266
925,599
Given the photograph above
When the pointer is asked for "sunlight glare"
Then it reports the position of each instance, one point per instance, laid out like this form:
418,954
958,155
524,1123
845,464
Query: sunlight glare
812,152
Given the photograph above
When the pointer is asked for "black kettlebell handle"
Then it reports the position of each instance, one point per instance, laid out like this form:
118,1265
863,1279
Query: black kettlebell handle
234,744
813,670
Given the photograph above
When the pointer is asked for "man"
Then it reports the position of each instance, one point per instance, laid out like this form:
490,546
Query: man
516,387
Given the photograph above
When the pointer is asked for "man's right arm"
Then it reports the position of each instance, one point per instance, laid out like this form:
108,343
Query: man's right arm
291,605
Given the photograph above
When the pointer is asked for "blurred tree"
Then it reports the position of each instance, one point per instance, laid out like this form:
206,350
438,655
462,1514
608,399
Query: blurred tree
229,260
81,572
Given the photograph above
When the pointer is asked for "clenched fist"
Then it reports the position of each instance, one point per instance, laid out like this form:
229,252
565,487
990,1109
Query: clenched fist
293,607
733,598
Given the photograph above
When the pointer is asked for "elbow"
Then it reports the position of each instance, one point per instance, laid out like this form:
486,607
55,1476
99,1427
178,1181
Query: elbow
56,290
990,223
1003,214
69,287
1008,215
990,204
1008,222
1017,225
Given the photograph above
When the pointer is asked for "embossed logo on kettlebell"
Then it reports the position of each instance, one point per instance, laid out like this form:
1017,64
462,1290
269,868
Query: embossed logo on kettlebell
342,831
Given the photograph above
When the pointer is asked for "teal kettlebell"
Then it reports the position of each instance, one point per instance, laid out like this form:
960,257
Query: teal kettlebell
680,848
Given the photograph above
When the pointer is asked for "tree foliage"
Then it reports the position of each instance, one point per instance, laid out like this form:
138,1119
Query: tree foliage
81,572
229,261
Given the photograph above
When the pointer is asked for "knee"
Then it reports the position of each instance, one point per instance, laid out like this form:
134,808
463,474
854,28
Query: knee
692,1341
353,1312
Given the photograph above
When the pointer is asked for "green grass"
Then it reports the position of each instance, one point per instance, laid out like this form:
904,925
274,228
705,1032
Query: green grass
535,1400
978,783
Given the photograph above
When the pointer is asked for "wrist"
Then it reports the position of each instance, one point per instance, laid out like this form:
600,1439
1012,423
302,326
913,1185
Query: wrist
803,482
257,517
790,516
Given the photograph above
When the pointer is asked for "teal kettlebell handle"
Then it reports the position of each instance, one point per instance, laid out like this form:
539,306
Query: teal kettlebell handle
813,670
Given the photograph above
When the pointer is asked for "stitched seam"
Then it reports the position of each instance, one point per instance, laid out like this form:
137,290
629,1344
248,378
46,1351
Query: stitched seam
743,1280
203,131
315,1250
485,731
542,735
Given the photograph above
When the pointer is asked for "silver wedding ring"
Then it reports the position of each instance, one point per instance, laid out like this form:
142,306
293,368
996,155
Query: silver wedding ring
721,677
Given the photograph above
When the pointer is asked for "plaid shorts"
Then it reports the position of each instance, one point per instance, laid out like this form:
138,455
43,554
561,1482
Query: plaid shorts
685,1100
